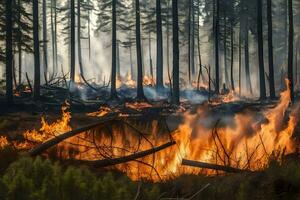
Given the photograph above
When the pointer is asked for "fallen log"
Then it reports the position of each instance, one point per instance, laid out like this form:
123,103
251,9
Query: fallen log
115,161
50,143
204,165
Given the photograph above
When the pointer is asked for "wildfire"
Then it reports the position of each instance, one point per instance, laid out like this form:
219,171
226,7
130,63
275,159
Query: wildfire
148,81
102,112
3,142
48,131
248,142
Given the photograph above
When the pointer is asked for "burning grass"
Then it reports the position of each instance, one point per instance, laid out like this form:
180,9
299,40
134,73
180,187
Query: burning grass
245,141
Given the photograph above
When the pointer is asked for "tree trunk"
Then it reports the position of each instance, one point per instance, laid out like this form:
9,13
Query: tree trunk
55,33
9,54
140,90
270,49
232,56
159,46
225,51
118,60
291,49
260,41
193,40
45,41
113,91
54,67
150,56
89,31
189,41
19,45
176,94
247,59
217,83
199,45
240,58
72,61
36,49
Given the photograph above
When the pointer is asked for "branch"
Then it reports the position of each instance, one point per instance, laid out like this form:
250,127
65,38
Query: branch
228,169
115,161
50,143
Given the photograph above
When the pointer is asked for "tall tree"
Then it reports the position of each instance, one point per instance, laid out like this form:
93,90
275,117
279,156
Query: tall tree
260,41
9,54
140,90
176,94
270,49
291,48
113,91
45,40
216,43
159,46
72,42
36,49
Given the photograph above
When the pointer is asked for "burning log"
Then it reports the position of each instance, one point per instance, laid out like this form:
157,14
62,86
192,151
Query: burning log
115,161
198,164
50,143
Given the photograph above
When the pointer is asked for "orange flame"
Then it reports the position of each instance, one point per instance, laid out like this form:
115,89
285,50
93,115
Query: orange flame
248,143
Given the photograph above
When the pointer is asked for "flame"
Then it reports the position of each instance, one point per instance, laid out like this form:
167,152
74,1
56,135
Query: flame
48,131
3,142
138,105
102,112
148,81
247,142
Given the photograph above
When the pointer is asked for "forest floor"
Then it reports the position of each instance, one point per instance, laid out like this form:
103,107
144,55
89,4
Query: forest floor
281,180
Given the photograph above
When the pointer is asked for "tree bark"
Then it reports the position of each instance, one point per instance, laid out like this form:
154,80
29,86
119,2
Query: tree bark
113,91
45,41
140,90
247,59
291,49
176,94
260,41
216,37
159,46
72,41
270,50
232,56
36,49
9,54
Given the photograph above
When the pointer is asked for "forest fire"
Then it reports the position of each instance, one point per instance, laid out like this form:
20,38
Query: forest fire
249,143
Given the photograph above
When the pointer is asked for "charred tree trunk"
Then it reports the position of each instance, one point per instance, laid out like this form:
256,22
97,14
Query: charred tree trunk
159,46
216,37
19,45
140,90
247,57
113,91
270,49
189,41
55,32
54,66
9,53
118,60
45,41
240,58
262,85
232,56
150,57
193,40
72,61
291,49
176,94
89,31
36,49
225,51
200,74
